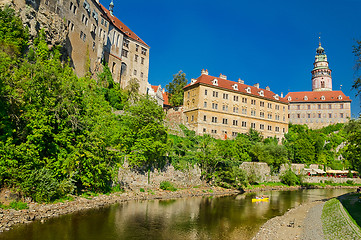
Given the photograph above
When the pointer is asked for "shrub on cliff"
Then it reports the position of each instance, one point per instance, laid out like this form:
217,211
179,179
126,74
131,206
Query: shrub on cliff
290,178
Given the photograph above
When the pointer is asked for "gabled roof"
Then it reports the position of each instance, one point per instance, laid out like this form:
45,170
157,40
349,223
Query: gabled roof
122,27
318,96
242,88
155,88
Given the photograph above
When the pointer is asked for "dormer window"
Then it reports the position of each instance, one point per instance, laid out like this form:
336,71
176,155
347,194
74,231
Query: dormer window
235,86
305,98
95,15
261,93
339,97
289,98
193,81
215,82
248,90
323,98
276,97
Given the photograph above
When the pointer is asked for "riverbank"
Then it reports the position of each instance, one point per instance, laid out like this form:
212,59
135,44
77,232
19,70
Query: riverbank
37,211
266,187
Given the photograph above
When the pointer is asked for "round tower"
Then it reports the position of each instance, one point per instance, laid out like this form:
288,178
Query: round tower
321,73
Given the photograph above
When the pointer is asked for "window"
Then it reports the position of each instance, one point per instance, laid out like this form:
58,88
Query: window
253,101
192,118
253,125
214,105
244,124
341,115
298,115
284,130
341,106
225,108
142,60
86,5
261,104
82,36
261,126
93,47
205,92
253,112
70,26
73,8
269,105
205,104
204,118
215,94
126,43
84,19
319,115
308,107
204,130
144,51
124,53
141,75
234,134
136,47
214,119
308,115
329,106
95,15
235,98
94,29
277,117
136,58
244,100
330,115
277,107
235,109
225,121
214,131
261,114
244,110
269,115
319,106
269,128
135,72
225,96
235,122
277,129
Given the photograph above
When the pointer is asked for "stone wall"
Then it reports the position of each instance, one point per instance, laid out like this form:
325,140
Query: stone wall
131,179
260,169
174,117
330,179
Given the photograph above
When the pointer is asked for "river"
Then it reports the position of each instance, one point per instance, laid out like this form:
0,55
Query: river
232,217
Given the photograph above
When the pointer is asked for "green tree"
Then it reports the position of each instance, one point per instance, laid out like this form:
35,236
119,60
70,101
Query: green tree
353,149
357,53
175,89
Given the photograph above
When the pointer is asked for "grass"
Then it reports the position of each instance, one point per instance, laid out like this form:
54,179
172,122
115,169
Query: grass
66,198
17,205
352,203
165,185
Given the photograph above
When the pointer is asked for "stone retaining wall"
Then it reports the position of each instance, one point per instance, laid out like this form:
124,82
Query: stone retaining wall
131,179
332,179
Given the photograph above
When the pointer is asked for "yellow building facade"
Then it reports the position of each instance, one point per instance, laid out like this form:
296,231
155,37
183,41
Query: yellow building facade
224,108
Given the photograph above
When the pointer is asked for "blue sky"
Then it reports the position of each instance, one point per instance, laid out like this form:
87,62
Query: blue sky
268,42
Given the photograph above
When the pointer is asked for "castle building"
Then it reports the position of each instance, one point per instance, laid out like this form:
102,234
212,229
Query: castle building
321,106
224,108
95,34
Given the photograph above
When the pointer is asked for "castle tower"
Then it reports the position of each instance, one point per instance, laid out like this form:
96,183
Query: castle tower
321,73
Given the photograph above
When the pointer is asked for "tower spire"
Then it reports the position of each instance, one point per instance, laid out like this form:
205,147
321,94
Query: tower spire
321,73
111,7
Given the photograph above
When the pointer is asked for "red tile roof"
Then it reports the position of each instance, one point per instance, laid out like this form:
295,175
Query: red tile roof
227,84
122,27
165,98
329,96
155,88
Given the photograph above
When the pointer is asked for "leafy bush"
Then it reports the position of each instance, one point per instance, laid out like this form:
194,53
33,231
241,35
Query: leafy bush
18,205
165,185
290,178
350,182
141,190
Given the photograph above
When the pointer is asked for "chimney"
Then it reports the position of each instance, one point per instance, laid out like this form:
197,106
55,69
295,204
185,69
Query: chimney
163,90
111,6
268,89
240,81
204,72
256,85
223,76
281,94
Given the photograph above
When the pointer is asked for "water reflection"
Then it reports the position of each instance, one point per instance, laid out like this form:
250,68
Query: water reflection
234,217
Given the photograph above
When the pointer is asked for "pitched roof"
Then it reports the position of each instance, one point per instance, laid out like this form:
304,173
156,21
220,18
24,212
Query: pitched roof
122,27
242,88
155,88
165,98
319,96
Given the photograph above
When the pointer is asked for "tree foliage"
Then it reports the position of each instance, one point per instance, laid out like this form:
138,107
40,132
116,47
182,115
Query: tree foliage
175,89
357,53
